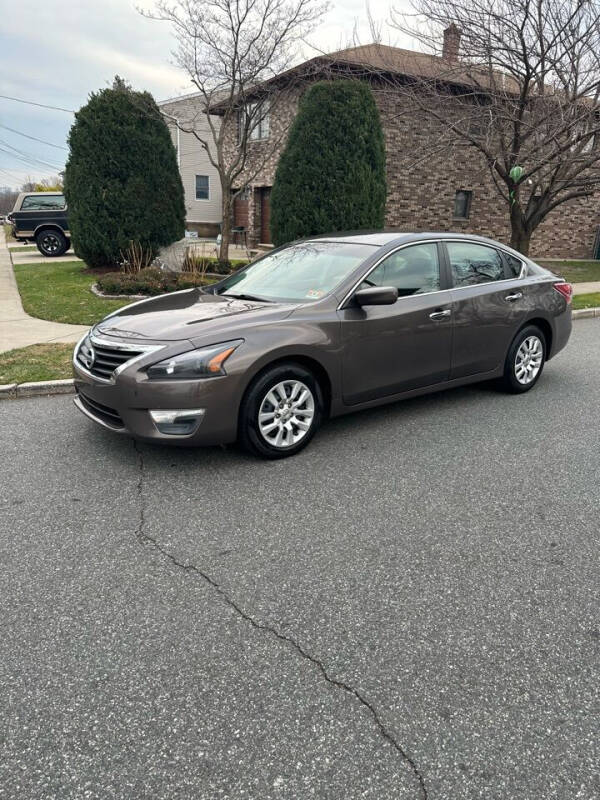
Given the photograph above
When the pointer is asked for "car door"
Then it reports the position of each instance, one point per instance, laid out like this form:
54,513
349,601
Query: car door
488,306
387,349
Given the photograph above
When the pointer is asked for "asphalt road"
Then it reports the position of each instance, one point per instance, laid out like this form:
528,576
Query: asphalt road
408,609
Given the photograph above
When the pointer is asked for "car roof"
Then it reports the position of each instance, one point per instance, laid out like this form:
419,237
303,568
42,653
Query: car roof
388,237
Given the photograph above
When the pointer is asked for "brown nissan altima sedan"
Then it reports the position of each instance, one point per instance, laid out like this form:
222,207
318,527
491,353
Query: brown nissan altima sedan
316,329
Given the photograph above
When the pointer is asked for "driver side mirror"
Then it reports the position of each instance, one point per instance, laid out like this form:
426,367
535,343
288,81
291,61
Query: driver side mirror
376,296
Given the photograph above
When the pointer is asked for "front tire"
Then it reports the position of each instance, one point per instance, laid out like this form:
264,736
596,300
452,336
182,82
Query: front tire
52,243
525,360
281,411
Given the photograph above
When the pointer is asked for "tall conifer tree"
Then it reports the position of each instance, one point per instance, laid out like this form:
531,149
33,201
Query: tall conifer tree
331,175
122,180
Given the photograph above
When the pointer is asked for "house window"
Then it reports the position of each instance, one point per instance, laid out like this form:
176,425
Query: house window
257,117
202,187
462,204
261,129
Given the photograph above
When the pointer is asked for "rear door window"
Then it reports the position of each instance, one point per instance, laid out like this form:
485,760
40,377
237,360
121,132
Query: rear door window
515,265
472,264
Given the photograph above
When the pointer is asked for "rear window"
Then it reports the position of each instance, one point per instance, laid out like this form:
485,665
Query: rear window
40,202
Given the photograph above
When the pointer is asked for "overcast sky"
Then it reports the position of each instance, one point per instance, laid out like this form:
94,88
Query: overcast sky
55,52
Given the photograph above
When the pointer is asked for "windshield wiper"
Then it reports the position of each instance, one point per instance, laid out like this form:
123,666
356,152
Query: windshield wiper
246,297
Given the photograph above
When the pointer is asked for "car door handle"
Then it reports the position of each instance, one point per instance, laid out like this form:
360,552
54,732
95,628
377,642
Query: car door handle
510,298
435,315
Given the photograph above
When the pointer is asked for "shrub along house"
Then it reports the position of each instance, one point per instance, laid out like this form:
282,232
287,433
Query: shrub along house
428,186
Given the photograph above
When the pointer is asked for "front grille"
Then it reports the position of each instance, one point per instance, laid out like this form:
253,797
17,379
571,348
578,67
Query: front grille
107,359
106,414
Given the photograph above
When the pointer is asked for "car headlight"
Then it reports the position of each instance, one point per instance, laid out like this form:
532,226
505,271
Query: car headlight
206,362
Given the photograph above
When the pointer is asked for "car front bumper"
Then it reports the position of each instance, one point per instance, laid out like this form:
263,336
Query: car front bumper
124,405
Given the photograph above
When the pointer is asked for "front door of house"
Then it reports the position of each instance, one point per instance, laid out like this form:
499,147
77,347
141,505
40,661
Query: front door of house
265,215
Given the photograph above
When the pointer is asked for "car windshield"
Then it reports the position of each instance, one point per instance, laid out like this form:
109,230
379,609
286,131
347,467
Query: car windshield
302,272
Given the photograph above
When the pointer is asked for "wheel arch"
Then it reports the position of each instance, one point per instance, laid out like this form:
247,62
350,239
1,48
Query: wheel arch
546,328
50,226
308,362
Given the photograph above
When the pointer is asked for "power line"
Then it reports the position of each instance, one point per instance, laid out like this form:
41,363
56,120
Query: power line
12,175
31,162
39,105
33,138
23,153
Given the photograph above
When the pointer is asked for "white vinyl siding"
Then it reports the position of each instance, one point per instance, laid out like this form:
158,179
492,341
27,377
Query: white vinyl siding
194,161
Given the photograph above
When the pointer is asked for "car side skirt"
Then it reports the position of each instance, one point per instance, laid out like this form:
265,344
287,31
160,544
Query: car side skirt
338,407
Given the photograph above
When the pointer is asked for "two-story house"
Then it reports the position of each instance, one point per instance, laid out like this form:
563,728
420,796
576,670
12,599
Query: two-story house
428,187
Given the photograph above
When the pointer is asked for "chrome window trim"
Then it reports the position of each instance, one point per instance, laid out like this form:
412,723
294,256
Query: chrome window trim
145,348
523,274
383,257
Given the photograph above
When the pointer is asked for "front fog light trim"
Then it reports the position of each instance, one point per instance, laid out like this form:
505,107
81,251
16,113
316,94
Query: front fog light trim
177,421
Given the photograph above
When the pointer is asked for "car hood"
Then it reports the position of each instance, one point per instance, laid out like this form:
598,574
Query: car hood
184,315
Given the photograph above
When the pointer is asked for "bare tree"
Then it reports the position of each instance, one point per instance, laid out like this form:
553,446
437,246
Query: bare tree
229,48
523,92
8,196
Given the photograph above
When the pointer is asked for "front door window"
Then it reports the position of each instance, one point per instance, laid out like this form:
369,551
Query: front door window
411,270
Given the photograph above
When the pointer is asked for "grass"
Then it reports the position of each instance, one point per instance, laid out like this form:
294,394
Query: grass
39,362
586,300
27,248
8,232
60,291
574,271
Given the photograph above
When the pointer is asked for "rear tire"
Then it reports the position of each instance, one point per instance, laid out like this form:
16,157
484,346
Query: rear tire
525,360
51,242
281,411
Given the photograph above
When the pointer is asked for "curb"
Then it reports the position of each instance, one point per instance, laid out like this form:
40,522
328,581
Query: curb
10,391
580,313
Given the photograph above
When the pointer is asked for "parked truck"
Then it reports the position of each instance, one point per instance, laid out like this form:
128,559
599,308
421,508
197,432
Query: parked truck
42,217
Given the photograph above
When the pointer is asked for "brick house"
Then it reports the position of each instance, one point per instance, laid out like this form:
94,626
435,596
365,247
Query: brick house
438,192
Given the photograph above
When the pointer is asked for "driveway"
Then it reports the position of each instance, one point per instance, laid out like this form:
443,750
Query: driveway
407,609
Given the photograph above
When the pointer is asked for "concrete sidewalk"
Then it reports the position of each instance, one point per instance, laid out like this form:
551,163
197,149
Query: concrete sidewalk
586,288
18,329
27,257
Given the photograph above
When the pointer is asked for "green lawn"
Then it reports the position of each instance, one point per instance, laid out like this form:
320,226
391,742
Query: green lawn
26,248
40,362
60,291
586,300
574,271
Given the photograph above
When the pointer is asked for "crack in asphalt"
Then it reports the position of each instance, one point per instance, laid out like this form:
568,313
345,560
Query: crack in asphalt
145,538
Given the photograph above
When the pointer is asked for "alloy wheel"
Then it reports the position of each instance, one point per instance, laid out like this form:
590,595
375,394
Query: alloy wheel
286,413
528,360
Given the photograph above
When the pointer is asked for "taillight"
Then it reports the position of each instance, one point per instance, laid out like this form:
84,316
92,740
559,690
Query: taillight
565,289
